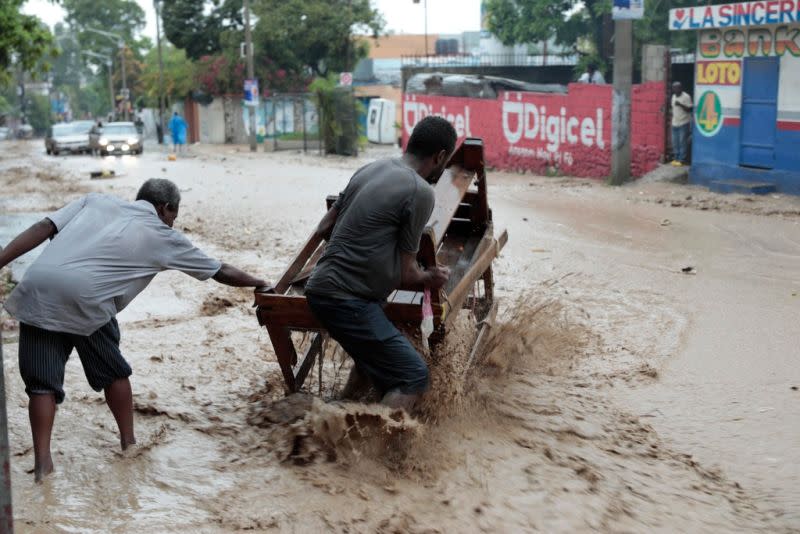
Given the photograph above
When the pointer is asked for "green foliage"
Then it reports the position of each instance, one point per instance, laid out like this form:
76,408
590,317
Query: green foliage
122,17
24,41
314,34
530,21
338,112
37,112
197,26
179,75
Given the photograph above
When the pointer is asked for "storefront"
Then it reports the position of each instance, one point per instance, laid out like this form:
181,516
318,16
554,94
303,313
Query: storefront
747,95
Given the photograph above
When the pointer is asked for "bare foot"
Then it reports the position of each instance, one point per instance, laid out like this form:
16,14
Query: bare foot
41,470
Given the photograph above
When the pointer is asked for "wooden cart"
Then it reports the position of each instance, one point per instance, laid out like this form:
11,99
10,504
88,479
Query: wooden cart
459,234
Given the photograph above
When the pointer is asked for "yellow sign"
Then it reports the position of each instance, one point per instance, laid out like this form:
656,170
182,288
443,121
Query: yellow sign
719,72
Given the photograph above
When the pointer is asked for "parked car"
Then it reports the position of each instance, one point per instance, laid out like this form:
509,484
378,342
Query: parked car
25,131
116,138
5,133
68,137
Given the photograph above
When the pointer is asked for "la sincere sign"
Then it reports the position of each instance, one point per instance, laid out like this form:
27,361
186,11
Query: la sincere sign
727,15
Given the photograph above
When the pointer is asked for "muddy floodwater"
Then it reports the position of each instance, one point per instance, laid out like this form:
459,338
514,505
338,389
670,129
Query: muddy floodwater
643,375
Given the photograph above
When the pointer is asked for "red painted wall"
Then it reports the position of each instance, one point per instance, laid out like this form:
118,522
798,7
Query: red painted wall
570,134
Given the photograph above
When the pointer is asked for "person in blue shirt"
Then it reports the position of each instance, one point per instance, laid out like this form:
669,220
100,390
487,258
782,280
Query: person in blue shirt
177,127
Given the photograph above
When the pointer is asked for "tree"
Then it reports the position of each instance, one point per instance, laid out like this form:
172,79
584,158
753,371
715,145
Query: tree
531,21
573,22
24,41
122,17
179,75
197,26
68,67
314,34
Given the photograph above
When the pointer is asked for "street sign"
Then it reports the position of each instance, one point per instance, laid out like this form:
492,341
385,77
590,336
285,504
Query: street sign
346,78
251,92
628,10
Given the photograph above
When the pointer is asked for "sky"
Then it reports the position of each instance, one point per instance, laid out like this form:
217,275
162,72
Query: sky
402,16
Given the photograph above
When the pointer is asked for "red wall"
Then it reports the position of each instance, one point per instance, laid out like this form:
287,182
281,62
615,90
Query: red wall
570,134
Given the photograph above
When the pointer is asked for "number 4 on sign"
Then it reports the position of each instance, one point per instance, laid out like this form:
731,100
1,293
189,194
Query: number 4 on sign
708,117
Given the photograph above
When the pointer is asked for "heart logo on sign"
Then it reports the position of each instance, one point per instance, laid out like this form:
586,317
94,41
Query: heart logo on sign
680,15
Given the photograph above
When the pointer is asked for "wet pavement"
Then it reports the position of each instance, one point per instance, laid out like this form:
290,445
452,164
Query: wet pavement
646,399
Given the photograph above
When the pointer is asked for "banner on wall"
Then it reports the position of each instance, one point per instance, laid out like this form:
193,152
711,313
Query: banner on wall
740,14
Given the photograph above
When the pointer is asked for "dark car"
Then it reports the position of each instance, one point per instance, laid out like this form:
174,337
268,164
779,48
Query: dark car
68,137
116,138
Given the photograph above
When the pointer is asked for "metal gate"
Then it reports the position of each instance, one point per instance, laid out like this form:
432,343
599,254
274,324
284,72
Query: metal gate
759,111
292,122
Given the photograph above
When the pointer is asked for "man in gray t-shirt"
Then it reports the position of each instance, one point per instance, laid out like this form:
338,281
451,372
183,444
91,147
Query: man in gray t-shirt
373,233
103,252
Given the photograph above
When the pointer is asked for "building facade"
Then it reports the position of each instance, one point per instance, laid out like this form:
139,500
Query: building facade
746,131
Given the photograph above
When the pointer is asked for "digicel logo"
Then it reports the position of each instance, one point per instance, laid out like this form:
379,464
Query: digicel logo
520,121
413,112
533,122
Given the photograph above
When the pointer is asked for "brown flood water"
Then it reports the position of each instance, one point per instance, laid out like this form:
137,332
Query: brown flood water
619,394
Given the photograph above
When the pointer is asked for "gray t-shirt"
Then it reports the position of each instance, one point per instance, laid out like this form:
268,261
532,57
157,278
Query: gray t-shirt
382,213
105,253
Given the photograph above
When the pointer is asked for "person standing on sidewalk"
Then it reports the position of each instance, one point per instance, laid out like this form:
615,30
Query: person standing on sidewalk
681,123
103,252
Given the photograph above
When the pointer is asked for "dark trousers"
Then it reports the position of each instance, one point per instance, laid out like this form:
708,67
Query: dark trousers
43,357
380,351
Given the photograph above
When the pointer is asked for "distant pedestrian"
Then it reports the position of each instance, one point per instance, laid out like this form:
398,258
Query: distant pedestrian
681,122
177,128
592,75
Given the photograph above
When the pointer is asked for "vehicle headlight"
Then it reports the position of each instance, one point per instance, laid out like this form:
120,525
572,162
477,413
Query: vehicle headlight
132,141
103,141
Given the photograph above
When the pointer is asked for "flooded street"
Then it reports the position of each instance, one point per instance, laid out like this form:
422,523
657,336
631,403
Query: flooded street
621,393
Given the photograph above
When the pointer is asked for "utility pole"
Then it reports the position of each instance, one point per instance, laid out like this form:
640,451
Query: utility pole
157,4
125,94
248,38
621,109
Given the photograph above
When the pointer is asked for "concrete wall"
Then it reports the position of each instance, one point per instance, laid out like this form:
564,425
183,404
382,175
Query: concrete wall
654,63
568,134
716,146
211,122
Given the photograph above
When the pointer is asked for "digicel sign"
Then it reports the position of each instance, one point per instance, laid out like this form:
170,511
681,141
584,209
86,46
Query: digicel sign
719,72
529,130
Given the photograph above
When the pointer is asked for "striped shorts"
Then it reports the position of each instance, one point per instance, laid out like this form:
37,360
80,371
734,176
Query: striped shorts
43,357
